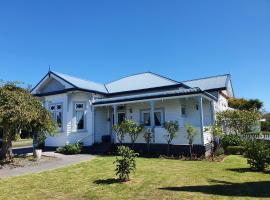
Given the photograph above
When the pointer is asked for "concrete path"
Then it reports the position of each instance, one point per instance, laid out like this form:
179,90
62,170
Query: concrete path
61,161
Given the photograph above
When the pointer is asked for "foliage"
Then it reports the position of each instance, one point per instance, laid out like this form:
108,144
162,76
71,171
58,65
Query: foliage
245,104
258,154
216,131
265,126
70,149
191,133
238,121
125,162
20,110
133,129
231,140
172,128
219,151
235,150
119,129
148,136
267,117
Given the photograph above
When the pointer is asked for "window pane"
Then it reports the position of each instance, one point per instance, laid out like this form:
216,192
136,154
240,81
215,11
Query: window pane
79,106
80,119
157,118
59,119
121,117
146,119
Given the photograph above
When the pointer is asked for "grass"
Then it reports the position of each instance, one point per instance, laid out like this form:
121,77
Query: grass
22,143
154,179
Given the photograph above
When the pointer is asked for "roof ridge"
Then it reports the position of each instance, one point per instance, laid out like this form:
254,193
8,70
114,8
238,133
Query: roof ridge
146,72
126,77
207,77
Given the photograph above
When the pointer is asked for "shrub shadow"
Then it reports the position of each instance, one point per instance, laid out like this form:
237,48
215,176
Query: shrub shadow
108,181
223,188
244,170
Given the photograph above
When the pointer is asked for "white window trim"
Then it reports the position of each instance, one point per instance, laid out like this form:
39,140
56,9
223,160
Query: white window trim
161,110
56,111
84,115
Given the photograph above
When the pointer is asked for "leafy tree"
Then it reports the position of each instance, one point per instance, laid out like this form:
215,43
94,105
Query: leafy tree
216,132
245,104
172,128
20,110
238,121
148,136
191,133
267,117
133,129
119,129
125,163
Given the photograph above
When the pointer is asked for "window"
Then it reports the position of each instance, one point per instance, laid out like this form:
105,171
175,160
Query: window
158,116
121,117
56,110
183,111
80,116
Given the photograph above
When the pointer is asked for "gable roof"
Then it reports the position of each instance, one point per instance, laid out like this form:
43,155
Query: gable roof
81,83
146,81
73,83
209,83
140,81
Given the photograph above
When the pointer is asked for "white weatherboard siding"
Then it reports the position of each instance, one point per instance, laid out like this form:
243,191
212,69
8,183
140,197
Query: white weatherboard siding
69,133
172,112
101,120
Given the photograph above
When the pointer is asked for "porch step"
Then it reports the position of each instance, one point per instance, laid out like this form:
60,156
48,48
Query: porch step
100,148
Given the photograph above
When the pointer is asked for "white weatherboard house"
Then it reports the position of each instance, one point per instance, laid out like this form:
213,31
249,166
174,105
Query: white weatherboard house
85,111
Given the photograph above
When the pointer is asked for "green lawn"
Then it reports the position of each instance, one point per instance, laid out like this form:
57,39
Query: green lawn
154,179
22,143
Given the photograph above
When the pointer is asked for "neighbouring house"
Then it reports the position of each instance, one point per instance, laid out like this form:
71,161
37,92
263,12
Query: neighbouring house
85,111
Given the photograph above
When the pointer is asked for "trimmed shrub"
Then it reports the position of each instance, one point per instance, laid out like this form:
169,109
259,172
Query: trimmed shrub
265,126
235,150
70,149
219,151
258,154
125,162
231,140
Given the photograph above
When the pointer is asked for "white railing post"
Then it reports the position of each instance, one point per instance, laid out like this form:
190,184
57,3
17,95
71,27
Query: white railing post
200,103
152,118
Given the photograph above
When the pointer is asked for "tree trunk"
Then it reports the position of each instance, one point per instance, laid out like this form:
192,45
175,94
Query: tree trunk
6,150
190,151
168,149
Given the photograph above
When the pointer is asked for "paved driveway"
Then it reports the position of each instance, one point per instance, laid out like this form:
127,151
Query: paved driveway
61,161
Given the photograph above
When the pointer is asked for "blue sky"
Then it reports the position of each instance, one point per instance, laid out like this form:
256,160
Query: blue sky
106,39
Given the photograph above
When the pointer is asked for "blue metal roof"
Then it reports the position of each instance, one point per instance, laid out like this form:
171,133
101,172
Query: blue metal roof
144,81
138,82
81,83
209,83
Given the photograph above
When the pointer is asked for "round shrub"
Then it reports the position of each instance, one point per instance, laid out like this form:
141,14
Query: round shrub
219,151
231,140
70,149
258,154
236,150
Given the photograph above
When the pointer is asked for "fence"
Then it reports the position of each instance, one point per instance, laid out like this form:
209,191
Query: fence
259,136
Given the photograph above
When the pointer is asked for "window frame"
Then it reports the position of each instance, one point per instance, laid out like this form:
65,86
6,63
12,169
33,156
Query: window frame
55,111
162,115
84,115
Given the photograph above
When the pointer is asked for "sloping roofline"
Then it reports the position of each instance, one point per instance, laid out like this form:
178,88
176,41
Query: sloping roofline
175,85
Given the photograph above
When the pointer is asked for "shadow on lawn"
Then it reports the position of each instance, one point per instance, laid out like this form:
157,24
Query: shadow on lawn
108,181
244,170
223,188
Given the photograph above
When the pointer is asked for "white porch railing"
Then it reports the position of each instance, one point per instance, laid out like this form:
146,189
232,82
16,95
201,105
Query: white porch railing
256,136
